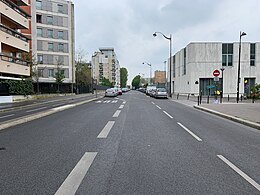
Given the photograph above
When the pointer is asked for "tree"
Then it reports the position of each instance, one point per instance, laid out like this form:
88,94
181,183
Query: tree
59,75
106,82
136,81
123,77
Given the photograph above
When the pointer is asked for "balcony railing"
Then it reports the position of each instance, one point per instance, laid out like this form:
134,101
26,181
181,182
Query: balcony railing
16,8
14,60
13,33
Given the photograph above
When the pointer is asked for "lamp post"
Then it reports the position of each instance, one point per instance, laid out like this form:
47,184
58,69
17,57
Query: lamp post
150,71
170,39
165,74
238,72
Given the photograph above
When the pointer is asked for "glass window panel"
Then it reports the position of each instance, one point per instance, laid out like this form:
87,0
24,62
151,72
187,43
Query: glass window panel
252,62
38,4
230,60
224,60
39,32
60,8
50,46
60,34
230,48
224,48
49,19
252,48
50,33
252,56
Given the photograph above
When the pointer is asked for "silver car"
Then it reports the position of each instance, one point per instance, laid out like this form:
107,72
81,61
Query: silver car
111,92
160,93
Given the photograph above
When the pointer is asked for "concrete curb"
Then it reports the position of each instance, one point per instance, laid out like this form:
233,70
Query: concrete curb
32,117
233,118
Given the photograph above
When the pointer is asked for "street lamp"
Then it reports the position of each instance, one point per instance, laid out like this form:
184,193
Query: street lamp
170,39
238,72
150,71
165,73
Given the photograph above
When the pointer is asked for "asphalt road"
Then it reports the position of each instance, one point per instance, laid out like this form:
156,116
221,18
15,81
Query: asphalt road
131,145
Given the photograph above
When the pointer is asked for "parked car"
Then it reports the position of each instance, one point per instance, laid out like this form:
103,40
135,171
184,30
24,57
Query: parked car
119,91
111,92
160,93
149,89
125,89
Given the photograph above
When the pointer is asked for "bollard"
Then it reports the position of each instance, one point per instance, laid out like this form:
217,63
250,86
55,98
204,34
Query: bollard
253,99
241,98
221,99
208,99
198,100
177,96
228,98
188,96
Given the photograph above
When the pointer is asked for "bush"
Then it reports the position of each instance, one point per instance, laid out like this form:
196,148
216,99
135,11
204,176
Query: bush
22,87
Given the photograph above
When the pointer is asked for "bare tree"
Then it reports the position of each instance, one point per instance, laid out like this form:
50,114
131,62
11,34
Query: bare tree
59,75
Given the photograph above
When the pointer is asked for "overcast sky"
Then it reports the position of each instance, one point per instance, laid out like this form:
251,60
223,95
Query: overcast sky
128,25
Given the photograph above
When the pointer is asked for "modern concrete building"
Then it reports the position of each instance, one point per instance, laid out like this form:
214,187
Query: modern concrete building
53,42
106,65
193,66
14,45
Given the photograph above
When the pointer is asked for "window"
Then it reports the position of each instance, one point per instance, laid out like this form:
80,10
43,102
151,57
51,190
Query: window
173,64
39,32
49,20
184,63
252,54
50,33
61,47
38,18
40,72
40,59
51,72
60,8
38,4
227,54
60,34
50,46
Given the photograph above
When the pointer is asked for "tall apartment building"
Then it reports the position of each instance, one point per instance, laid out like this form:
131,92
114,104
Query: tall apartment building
14,45
53,46
106,65
193,66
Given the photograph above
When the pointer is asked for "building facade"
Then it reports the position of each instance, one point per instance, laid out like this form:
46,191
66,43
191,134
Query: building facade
193,66
53,43
106,65
14,45
159,77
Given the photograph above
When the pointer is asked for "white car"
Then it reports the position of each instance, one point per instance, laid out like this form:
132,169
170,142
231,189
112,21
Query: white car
160,93
111,92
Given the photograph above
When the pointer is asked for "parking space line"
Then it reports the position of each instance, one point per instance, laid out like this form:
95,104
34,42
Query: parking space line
116,114
190,132
105,131
167,114
73,181
158,107
153,103
241,173
122,106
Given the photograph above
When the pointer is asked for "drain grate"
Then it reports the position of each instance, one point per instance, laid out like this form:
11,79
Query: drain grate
2,148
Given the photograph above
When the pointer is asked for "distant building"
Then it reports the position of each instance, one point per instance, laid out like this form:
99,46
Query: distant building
193,66
159,77
106,65
53,42
14,45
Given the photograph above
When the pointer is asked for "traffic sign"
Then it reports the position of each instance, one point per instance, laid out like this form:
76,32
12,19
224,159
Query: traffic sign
216,79
216,73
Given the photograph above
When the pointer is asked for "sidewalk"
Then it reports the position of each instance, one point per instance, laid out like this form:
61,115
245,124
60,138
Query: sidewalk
245,113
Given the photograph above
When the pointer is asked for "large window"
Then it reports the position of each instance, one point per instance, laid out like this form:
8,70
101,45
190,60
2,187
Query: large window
50,33
173,66
252,54
39,32
184,63
61,47
51,72
38,4
40,59
49,20
38,18
40,72
50,46
60,8
227,54
60,35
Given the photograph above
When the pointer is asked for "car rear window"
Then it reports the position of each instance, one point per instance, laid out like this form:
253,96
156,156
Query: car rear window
161,89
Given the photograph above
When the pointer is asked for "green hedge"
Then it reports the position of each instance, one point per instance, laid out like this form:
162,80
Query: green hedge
22,87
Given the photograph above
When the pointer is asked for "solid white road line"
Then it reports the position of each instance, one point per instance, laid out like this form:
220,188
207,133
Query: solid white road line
241,173
167,114
190,132
105,131
158,107
64,107
122,106
117,113
7,116
73,181
153,103
36,109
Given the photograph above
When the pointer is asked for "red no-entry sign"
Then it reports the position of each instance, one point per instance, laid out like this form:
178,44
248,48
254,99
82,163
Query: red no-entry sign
216,73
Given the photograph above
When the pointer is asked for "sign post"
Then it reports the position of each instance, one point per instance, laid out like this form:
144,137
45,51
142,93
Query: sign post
216,73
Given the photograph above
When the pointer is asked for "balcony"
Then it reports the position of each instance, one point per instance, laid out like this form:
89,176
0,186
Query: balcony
13,65
12,11
23,3
12,38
